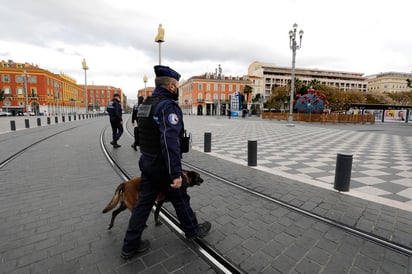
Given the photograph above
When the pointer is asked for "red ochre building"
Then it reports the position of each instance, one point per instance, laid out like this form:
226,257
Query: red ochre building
145,92
199,95
48,93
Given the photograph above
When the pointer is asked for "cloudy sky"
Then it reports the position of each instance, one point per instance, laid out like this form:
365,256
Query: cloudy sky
117,36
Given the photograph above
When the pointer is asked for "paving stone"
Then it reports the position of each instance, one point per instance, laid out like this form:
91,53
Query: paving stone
179,260
308,266
284,264
367,264
256,263
55,223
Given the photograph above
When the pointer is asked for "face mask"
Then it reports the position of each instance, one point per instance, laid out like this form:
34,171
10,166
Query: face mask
176,95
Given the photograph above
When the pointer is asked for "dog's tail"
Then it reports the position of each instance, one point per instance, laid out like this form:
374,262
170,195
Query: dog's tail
115,199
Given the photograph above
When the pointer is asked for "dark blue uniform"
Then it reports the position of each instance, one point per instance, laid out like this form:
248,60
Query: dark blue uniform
134,113
160,163
134,119
115,113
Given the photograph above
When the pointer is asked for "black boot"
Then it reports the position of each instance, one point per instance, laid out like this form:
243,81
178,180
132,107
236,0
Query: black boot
134,146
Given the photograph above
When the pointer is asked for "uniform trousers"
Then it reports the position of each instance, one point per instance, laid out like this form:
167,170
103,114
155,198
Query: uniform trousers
155,179
117,129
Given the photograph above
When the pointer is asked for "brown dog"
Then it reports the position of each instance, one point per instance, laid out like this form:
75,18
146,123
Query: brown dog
128,194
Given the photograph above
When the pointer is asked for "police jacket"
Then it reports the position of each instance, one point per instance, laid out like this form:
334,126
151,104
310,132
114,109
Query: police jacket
160,122
115,110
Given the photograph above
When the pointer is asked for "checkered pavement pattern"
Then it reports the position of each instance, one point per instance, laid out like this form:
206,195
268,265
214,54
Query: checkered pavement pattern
381,163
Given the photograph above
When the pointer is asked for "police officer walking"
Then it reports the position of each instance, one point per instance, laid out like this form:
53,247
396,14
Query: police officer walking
134,121
161,126
116,122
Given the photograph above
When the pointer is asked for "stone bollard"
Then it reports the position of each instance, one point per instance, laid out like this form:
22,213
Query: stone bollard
252,153
208,142
343,172
13,125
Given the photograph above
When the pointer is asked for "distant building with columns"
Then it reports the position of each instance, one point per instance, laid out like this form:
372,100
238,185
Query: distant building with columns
389,82
268,76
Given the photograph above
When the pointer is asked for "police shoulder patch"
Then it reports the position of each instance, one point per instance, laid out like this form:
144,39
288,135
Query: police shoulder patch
173,118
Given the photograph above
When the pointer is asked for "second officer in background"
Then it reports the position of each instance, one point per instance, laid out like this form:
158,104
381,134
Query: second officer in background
116,122
134,121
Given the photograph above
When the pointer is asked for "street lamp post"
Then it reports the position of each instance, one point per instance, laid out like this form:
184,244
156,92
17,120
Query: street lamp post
26,92
293,46
56,99
85,67
218,76
145,81
92,97
160,38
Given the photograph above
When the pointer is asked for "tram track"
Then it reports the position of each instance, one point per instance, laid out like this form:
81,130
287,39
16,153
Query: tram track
221,263
201,247
15,155
402,249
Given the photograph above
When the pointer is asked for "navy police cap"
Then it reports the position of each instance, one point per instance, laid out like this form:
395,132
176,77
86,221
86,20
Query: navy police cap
166,71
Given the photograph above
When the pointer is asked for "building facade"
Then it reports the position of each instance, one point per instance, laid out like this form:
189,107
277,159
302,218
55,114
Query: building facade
28,88
98,97
389,82
272,76
203,94
145,92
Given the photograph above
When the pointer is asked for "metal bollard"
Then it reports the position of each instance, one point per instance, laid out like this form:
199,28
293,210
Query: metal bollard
70,118
252,153
26,123
48,120
56,120
63,118
208,142
343,172
38,122
13,125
